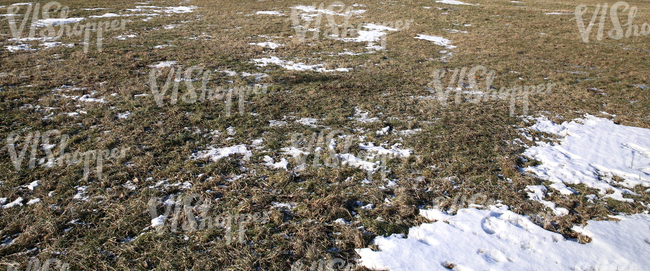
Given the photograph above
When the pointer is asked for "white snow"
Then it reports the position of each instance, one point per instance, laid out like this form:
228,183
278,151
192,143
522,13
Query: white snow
341,221
15,48
49,45
163,64
454,2
293,152
311,122
313,9
558,13
87,98
591,151
351,160
158,221
277,123
17,202
129,185
499,239
374,34
32,185
437,40
217,153
129,36
181,9
81,193
290,65
361,116
279,205
269,13
55,22
124,115
269,44
155,9
538,192
282,164
33,201
107,15
394,151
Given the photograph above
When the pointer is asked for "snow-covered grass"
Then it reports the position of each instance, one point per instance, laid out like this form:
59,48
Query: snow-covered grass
591,151
498,239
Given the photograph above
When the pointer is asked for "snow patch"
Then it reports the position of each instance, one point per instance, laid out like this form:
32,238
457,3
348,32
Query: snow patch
499,239
217,153
591,151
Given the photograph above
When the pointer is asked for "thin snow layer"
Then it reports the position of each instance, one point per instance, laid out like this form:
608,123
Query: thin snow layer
454,2
282,164
163,64
17,202
269,13
499,239
217,153
353,161
394,151
55,22
15,48
361,116
290,65
49,45
558,13
537,193
373,34
437,40
155,9
316,11
269,44
592,150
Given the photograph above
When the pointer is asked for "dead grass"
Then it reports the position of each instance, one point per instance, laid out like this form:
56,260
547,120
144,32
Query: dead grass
469,141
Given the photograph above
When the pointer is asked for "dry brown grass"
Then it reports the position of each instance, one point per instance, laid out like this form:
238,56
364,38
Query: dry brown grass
469,141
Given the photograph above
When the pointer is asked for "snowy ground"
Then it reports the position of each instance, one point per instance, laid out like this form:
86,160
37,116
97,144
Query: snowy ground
590,151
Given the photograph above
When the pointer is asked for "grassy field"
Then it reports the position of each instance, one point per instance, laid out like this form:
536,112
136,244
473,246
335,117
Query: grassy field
457,150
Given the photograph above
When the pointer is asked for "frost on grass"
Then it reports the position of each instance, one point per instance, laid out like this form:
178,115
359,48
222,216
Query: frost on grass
499,239
592,151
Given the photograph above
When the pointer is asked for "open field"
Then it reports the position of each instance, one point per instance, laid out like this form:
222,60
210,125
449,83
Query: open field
212,135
